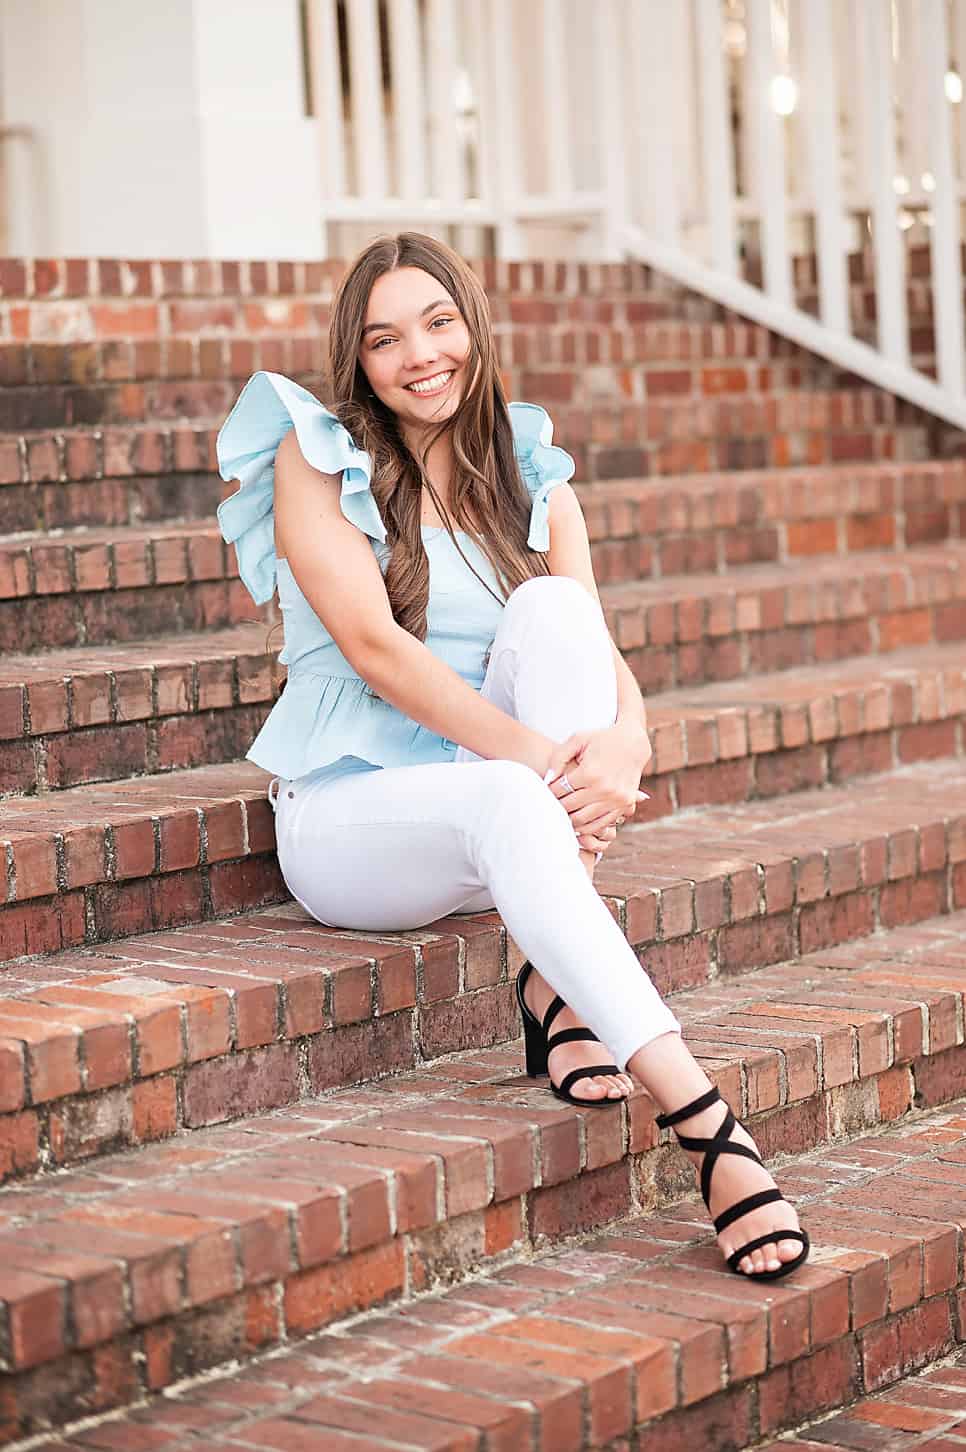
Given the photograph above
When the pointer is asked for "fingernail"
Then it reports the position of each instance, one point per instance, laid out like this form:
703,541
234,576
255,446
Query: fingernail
643,796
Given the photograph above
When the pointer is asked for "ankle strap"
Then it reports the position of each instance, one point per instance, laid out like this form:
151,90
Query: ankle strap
665,1121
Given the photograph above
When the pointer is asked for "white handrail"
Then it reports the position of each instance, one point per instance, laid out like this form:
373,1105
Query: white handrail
703,137
797,325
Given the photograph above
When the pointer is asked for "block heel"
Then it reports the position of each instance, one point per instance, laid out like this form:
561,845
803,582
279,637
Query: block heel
538,1042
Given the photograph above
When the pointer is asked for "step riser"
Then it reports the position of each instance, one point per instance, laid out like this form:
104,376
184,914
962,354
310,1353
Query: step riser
732,655
108,502
210,1303
43,621
53,762
642,557
112,752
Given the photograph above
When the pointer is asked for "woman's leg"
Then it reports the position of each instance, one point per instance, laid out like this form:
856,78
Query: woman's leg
551,666
399,848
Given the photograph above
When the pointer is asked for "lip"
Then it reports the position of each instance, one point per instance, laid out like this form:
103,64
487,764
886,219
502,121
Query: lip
442,389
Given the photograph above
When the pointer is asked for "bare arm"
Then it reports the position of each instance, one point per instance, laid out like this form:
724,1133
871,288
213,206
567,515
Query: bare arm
340,577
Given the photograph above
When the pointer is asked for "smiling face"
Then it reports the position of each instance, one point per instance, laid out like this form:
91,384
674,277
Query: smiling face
414,333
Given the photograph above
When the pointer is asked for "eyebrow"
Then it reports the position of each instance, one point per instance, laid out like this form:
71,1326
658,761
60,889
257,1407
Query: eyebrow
440,302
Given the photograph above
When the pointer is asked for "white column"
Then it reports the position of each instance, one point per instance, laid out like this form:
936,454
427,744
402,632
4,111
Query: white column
653,104
259,152
947,273
820,93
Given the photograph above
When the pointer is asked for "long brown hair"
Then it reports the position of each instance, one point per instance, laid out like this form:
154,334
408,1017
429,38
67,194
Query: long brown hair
487,484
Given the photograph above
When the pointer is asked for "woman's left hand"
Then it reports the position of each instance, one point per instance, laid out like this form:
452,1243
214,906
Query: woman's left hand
605,773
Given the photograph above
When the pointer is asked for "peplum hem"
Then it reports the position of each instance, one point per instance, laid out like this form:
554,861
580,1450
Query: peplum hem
321,720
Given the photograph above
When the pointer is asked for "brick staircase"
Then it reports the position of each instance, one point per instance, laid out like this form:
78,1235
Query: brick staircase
296,1174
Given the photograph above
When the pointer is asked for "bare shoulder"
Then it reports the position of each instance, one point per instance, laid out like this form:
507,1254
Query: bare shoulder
298,480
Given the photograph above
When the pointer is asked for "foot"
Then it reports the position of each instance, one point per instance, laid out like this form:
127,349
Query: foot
732,1179
538,996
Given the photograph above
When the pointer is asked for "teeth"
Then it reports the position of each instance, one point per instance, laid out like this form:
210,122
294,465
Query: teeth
430,385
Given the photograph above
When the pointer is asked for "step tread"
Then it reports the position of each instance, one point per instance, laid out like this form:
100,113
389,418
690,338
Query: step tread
635,1325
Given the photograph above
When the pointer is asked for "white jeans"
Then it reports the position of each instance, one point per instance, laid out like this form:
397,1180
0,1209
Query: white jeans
399,848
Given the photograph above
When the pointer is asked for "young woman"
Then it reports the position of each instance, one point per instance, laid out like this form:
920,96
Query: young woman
458,732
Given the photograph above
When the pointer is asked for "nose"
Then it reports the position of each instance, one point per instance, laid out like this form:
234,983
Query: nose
421,356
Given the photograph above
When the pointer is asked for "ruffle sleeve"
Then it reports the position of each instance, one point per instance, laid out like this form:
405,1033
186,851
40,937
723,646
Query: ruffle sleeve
542,464
269,406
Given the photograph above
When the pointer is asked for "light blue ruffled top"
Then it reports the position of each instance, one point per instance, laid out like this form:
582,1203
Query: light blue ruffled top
327,717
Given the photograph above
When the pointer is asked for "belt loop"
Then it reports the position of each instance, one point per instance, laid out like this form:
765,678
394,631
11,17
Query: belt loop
273,795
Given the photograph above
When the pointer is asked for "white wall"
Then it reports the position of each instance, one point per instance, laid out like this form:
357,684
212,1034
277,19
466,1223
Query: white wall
170,130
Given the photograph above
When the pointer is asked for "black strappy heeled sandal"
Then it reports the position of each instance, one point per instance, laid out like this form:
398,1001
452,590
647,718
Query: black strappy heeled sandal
539,1043
721,1144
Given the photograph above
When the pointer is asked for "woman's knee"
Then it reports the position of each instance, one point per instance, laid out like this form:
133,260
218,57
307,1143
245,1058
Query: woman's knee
548,591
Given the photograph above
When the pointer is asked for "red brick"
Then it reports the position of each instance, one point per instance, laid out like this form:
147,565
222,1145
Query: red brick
316,1297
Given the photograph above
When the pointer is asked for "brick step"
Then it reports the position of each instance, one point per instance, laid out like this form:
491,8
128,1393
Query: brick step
107,477
700,897
926,1409
689,629
127,475
644,528
145,1268
103,586
104,713
108,585
101,714
57,385
54,478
